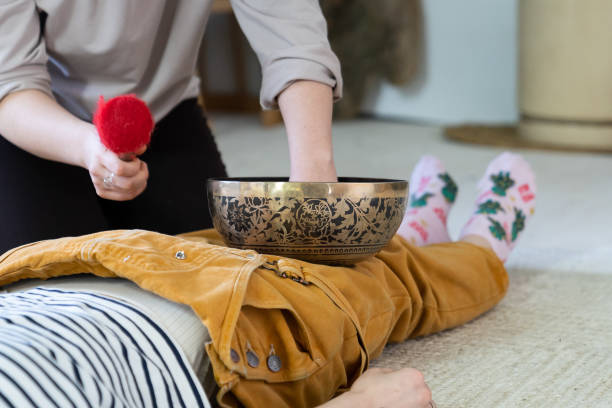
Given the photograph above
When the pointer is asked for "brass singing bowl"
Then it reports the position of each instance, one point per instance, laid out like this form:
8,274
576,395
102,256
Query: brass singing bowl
332,223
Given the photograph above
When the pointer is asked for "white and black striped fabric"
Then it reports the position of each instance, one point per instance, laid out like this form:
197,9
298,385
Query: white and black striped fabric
77,349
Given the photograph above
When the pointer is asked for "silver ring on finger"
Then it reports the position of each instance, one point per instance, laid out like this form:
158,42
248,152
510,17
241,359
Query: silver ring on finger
108,181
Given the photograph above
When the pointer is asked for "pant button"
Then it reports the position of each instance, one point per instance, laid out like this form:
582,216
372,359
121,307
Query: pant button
234,356
252,359
274,363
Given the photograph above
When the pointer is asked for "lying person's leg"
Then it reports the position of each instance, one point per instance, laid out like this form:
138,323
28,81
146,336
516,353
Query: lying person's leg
452,283
448,299
403,292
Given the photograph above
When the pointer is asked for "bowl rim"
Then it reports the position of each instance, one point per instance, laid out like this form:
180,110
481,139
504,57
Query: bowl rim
341,180
281,186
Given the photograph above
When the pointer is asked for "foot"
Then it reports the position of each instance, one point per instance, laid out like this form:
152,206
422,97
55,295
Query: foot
506,200
431,193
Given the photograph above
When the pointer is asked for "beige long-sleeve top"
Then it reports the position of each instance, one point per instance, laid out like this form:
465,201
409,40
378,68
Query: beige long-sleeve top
149,48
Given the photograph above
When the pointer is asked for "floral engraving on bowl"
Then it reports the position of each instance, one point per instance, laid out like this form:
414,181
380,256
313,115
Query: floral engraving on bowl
313,218
275,222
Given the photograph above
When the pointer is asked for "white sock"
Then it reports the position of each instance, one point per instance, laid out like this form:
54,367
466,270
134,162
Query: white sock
431,194
506,200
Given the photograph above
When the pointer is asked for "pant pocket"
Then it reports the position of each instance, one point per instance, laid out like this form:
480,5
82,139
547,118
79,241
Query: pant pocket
303,322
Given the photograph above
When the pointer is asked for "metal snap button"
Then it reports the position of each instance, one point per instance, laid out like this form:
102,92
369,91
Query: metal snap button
274,363
234,356
180,255
252,359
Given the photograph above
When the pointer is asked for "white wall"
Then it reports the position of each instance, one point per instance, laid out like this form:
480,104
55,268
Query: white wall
469,69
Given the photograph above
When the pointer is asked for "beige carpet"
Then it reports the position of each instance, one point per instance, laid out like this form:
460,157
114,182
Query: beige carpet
548,344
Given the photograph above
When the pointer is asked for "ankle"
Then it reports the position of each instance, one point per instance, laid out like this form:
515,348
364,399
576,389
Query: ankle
476,240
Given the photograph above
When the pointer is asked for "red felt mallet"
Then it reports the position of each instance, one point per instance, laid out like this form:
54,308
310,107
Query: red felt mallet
124,124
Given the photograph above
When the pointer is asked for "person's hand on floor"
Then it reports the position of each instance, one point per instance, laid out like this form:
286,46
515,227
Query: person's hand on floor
114,178
384,387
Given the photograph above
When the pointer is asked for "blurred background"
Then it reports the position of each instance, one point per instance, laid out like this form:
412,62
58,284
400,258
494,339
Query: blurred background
514,73
453,62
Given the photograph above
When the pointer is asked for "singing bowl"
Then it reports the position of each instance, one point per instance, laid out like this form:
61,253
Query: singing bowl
332,223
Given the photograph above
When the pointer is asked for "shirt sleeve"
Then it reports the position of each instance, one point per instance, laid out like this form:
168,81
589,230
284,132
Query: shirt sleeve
290,40
23,56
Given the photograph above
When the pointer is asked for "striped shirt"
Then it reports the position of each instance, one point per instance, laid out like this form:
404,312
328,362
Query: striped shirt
77,349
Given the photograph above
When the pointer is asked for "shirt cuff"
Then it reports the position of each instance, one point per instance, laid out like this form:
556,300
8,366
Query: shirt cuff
315,63
26,77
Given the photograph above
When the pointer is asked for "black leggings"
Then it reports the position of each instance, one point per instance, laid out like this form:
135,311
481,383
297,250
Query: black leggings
41,199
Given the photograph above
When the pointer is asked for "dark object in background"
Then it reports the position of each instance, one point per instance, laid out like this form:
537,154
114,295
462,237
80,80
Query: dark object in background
373,39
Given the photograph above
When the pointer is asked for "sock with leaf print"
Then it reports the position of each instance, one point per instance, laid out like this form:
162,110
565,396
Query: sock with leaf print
506,200
432,192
